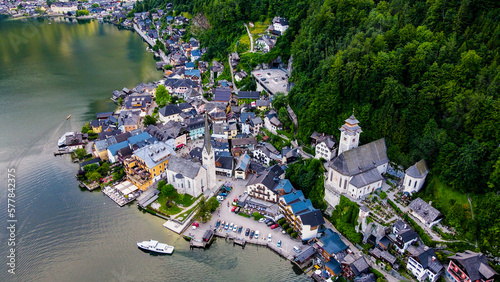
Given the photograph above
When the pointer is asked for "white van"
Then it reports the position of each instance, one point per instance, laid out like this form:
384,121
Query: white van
256,234
296,249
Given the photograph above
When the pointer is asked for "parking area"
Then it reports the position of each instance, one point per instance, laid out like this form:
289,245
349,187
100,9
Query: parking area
273,80
225,214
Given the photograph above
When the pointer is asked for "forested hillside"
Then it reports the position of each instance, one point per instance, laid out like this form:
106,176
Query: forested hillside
423,74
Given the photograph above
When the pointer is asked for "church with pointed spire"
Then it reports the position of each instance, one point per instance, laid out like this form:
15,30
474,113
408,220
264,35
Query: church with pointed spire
357,170
208,158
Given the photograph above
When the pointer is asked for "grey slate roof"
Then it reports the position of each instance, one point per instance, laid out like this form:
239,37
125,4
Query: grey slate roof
475,264
312,218
383,254
366,178
224,162
359,266
154,154
418,170
424,210
428,260
249,95
182,166
361,159
170,110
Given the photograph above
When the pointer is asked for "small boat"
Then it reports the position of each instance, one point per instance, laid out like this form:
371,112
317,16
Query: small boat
68,117
156,247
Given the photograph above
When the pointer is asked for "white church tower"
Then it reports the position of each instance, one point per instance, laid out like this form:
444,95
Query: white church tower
349,137
208,159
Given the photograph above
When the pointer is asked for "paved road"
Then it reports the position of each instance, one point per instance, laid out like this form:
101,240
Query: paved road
249,35
224,213
232,73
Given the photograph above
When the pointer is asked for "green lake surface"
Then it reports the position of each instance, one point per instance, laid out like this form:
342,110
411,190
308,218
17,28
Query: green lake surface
48,70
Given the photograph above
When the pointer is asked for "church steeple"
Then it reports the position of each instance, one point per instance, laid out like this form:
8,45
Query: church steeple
207,143
350,131
208,158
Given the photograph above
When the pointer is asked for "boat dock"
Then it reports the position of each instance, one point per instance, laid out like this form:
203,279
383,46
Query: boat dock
114,195
61,152
90,187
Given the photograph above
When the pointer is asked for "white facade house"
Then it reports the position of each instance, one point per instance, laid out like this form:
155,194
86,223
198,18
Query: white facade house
415,177
424,265
272,123
424,212
280,24
326,149
170,113
63,8
266,153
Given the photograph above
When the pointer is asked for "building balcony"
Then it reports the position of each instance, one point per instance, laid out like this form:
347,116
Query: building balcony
458,274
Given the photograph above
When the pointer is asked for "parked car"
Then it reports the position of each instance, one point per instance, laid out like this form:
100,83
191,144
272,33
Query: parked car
274,226
269,238
227,225
270,223
247,232
257,234
223,194
262,220
284,231
231,226
267,220
251,234
222,224
296,249
217,224
279,244
240,229
234,208
235,228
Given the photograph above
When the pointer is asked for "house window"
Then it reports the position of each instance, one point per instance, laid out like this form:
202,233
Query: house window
409,182
345,184
415,185
340,183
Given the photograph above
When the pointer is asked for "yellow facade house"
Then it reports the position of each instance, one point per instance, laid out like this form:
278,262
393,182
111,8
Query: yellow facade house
147,165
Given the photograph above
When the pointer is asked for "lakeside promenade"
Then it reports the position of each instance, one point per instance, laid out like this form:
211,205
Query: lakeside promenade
148,39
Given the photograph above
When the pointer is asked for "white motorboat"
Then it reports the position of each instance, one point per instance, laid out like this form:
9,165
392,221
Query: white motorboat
156,247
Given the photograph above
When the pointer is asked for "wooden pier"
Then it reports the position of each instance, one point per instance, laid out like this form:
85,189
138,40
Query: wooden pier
240,241
61,152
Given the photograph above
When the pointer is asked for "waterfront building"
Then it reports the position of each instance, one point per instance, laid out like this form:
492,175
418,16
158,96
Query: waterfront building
299,211
148,164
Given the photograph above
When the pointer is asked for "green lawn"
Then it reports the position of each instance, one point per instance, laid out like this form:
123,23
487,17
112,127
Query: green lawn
442,195
175,209
259,28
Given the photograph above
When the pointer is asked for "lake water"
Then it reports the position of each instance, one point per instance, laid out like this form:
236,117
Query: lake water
63,233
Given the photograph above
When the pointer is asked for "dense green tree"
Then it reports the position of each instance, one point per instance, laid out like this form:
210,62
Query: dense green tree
80,153
162,96
93,176
149,120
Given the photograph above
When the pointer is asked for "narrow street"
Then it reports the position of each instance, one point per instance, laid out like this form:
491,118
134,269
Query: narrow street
249,35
